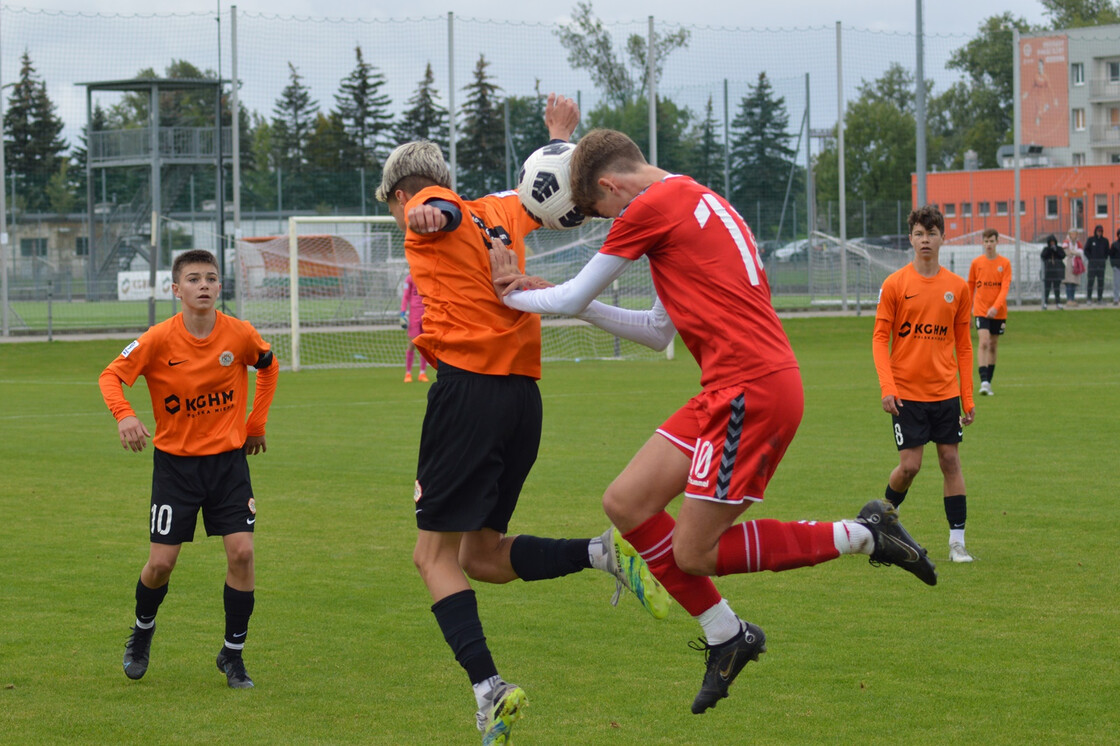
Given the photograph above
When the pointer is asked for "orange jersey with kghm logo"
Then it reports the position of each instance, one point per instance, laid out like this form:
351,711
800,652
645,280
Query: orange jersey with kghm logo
199,387
919,324
465,323
989,280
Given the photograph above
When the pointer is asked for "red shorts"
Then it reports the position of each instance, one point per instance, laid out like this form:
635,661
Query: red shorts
736,436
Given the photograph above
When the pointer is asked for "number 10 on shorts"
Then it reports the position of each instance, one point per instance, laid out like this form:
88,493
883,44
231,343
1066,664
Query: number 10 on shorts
161,520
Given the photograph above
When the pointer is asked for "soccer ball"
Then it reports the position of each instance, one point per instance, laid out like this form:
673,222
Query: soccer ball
545,190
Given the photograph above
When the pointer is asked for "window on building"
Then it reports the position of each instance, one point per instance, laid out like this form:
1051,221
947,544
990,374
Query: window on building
984,208
33,247
81,246
1079,159
1100,202
1022,207
1114,158
1079,120
966,209
1077,72
950,210
1051,208
1114,72
1001,208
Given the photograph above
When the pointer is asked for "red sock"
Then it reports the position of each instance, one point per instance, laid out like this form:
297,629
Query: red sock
654,541
767,544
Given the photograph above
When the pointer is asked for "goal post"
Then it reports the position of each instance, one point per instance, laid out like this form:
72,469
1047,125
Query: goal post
328,293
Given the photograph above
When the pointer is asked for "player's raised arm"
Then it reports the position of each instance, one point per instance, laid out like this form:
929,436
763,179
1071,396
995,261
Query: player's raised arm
561,116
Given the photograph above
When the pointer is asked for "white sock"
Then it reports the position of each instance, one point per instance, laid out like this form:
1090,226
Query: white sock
483,689
145,625
852,537
956,536
720,623
598,551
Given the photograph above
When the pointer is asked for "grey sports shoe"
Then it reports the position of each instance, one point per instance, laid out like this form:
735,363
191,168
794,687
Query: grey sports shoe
136,652
724,662
496,718
957,552
893,545
233,666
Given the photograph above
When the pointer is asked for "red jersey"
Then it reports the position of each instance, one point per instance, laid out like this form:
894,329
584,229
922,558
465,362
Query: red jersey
199,387
919,323
990,279
707,273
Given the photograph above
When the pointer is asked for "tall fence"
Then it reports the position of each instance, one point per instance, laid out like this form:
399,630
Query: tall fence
49,244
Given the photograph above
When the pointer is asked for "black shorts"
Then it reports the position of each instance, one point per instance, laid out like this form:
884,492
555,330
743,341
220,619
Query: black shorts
218,484
919,422
477,445
994,326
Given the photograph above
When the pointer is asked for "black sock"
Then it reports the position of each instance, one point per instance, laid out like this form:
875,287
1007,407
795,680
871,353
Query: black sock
148,601
893,497
239,607
956,510
534,558
985,373
457,616
991,372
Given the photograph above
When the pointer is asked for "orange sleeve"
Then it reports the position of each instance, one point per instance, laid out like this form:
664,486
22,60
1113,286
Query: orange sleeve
262,399
1004,289
881,352
112,391
963,331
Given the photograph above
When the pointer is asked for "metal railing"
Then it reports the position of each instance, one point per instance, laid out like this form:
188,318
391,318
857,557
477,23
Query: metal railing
176,145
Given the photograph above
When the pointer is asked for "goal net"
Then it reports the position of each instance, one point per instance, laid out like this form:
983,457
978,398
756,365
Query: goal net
349,275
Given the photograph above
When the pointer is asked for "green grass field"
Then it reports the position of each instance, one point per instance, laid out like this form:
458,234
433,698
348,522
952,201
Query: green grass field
1020,647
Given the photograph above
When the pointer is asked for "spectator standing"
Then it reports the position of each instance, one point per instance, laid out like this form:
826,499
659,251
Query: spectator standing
1074,266
1096,257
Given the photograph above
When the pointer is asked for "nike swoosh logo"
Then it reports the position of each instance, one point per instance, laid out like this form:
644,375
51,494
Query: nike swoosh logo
240,634
250,521
173,363
908,297
911,553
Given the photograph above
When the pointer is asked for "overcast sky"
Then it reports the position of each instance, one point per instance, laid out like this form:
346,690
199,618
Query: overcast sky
940,17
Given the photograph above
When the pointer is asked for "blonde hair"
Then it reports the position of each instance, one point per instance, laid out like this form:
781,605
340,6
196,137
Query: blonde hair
420,161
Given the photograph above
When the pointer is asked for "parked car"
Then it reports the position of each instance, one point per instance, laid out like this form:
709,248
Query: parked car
794,251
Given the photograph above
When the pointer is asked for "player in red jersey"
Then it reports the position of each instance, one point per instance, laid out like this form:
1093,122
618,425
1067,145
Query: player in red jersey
923,355
989,277
720,449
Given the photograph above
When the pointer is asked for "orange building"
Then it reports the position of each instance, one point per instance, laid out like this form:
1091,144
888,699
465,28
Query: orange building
1052,200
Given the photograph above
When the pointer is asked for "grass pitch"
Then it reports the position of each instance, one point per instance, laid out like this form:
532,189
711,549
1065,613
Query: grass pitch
1020,646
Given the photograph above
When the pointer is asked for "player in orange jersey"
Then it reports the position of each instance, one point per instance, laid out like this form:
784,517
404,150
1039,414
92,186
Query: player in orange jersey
923,354
989,277
482,426
195,364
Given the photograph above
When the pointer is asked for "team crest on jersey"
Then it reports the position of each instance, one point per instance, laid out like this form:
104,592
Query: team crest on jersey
999,268
417,493
131,346
949,297
252,506
226,359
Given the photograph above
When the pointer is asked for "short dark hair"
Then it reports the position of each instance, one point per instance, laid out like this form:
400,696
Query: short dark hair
929,217
600,151
194,256
990,233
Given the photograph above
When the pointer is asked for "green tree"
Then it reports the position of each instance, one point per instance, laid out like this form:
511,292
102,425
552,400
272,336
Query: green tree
527,130
1080,13
481,148
707,162
294,115
761,158
425,118
674,150
364,111
621,77
33,142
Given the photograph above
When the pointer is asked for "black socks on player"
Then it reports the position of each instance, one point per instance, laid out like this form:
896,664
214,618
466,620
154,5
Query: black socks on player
893,497
457,616
148,601
534,558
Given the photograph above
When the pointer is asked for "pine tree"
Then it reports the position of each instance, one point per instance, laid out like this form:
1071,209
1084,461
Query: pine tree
481,149
293,118
708,161
364,112
33,142
425,119
760,155
527,130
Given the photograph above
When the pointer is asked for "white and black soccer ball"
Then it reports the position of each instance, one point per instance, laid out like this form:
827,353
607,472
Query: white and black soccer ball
545,188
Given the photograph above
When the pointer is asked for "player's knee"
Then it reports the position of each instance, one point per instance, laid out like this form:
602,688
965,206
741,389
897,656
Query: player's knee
908,470
240,557
692,561
950,463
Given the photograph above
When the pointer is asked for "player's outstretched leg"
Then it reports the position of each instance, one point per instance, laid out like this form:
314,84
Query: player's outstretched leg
501,711
893,545
632,573
136,652
724,662
233,666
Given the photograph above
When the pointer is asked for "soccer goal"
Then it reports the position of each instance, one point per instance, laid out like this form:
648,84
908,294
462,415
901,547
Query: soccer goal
348,274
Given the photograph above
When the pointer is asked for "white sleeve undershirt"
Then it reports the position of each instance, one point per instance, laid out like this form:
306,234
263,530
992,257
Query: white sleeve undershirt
576,297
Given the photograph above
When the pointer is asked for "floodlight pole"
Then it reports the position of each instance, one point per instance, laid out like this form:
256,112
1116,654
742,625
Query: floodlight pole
843,185
920,109
4,328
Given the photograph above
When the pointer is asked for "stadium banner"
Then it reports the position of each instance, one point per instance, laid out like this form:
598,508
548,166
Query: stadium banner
1044,72
135,285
